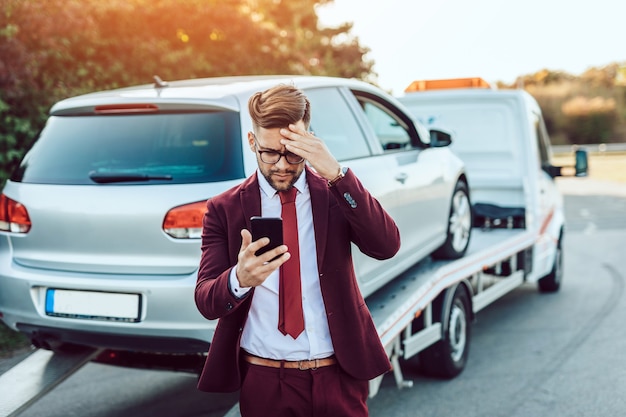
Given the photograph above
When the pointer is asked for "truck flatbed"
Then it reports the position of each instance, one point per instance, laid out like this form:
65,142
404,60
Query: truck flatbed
395,306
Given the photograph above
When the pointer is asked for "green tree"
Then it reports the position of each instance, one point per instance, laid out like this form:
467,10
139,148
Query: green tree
53,49
590,108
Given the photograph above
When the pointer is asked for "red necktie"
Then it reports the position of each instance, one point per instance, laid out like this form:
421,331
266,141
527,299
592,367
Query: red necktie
290,316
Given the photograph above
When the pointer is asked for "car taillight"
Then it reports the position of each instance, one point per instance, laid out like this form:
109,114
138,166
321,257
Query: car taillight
185,222
13,216
126,108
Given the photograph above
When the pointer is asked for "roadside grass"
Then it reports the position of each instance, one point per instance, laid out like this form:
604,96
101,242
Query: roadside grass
602,166
11,341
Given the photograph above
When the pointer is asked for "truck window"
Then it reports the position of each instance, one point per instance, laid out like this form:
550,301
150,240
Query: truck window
543,141
333,121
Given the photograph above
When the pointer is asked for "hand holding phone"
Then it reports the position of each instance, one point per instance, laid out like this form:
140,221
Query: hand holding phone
270,227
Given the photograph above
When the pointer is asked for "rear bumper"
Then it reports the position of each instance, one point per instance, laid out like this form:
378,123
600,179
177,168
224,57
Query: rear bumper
169,320
51,338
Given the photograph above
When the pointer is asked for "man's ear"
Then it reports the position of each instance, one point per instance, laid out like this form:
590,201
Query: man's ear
251,141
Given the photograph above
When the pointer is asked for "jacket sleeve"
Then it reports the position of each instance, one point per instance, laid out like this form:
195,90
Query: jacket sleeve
220,247
371,228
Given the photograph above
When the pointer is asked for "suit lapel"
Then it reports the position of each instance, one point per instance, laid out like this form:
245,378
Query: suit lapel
250,197
319,205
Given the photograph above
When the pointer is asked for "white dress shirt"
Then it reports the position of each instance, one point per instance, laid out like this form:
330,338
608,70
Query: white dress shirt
261,336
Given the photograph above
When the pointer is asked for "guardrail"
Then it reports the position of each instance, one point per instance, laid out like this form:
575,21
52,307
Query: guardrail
594,148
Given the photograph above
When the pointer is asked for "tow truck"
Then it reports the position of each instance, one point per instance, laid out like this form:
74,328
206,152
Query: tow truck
517,237
518,224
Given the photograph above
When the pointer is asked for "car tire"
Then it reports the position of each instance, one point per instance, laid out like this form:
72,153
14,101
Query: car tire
552,281
447,358
459,227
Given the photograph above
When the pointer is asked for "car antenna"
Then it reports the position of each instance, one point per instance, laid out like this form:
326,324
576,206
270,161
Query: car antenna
159,83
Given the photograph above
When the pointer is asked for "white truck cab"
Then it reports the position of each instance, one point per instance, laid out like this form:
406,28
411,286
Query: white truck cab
502,138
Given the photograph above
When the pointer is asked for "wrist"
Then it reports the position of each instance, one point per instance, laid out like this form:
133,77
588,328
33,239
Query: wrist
340,174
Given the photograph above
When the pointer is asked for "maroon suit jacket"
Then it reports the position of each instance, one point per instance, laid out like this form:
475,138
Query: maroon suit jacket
342,214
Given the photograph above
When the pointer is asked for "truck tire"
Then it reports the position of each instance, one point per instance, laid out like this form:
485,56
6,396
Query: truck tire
459,225
552,281
447,357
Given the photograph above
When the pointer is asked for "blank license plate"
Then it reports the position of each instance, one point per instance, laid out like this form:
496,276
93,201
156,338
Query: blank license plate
93,305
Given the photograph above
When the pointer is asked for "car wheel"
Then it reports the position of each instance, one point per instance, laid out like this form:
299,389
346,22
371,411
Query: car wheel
552,281
447,357
459,225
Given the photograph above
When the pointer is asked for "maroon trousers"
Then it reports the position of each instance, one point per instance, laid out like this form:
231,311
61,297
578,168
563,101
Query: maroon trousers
280,392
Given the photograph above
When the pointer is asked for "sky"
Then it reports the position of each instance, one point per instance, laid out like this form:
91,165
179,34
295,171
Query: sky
497,40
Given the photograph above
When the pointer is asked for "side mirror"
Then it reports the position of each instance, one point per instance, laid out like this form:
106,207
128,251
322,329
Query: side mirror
582,163
553,171
580,168
440,138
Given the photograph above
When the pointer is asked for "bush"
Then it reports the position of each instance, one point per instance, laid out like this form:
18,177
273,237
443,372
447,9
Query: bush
589,121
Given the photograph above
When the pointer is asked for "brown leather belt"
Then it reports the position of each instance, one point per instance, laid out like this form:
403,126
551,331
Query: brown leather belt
301,365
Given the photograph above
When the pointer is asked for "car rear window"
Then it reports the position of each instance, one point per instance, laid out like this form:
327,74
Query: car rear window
175,148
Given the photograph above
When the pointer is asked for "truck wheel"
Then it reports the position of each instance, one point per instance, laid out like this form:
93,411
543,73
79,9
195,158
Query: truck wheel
447,357
459,225
552,281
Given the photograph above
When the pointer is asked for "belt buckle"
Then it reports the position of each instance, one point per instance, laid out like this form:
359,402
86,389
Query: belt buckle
313,368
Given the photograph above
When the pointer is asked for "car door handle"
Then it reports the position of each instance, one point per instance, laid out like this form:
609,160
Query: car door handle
401,177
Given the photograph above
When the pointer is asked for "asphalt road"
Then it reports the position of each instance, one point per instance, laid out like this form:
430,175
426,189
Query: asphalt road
536,354
532,354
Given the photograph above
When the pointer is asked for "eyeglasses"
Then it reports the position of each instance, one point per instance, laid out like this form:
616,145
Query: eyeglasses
272,157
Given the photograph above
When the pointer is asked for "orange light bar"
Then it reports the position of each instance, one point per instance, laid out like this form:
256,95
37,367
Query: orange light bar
425,85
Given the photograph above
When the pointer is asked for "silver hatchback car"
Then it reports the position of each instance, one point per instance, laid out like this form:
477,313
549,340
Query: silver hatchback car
100,224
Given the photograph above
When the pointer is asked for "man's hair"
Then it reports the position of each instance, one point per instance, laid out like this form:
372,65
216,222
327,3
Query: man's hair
279,106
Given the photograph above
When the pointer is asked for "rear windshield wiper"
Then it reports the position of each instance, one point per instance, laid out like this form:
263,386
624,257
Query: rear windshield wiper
110,177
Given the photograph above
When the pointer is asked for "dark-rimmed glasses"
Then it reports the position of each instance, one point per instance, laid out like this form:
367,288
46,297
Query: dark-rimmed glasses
272,157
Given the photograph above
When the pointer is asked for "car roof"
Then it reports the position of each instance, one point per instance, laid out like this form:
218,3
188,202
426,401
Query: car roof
223,92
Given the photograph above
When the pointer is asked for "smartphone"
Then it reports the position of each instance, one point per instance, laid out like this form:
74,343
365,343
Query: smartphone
270,227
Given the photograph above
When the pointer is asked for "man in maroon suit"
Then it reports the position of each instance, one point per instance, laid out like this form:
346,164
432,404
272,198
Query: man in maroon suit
292,355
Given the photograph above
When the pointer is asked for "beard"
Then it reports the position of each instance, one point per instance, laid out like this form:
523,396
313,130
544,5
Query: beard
282,180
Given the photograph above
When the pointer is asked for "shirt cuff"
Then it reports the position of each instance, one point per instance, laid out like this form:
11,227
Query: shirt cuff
237,290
